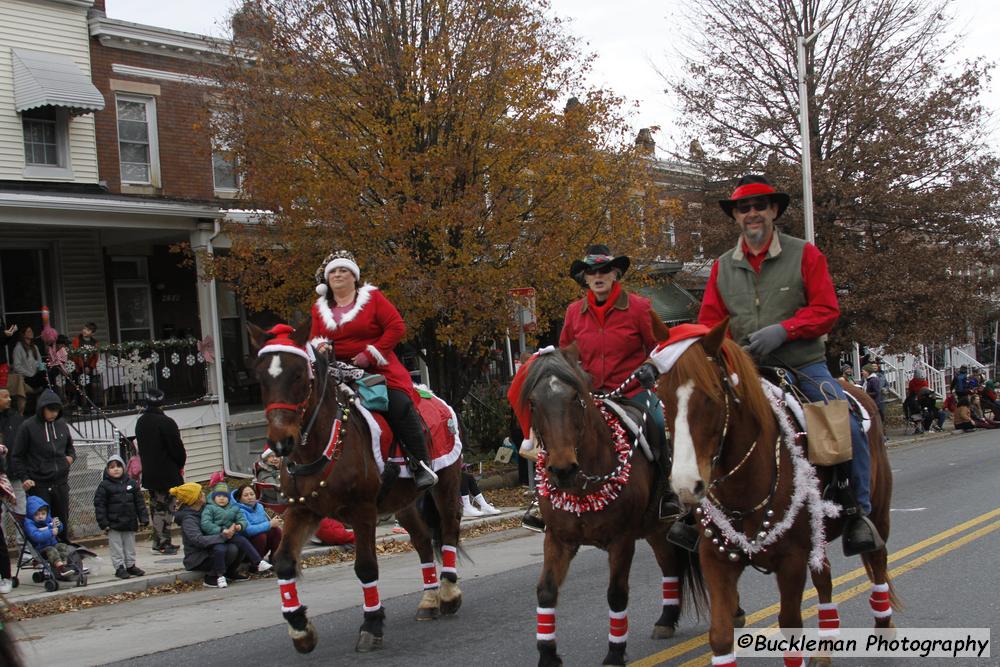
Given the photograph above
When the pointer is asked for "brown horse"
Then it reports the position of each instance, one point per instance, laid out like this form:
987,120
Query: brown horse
732,456
594,489
328,469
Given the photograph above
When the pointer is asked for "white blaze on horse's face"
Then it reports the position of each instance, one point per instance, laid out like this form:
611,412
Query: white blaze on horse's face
274,370
684,474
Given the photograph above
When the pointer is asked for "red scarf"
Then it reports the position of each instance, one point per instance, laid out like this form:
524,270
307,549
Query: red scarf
601,311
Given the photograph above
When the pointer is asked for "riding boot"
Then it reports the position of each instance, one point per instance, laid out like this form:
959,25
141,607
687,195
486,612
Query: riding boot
410,433
684,533
861,536
419,464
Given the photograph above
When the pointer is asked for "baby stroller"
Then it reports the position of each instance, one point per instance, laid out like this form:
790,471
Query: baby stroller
46,573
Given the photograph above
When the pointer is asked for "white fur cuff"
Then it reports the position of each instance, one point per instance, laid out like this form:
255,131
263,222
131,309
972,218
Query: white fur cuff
376,356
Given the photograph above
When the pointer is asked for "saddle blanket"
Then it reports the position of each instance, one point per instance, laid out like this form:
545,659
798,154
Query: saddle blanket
444,445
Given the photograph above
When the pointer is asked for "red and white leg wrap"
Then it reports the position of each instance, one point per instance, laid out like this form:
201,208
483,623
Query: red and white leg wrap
448,560
793,659
728,660
546,624
618,633
289,595
372,601
671,591
430,575
879,601
829,619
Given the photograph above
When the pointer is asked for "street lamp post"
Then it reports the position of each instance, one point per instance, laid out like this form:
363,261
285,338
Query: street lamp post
807,195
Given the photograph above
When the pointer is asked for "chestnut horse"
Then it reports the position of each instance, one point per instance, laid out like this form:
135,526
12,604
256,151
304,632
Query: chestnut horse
594,489
328,470
732,456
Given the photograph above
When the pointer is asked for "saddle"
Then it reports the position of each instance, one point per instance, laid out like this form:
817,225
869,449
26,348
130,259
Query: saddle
636,424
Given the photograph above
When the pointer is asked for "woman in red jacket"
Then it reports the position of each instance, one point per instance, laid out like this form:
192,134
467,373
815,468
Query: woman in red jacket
363,328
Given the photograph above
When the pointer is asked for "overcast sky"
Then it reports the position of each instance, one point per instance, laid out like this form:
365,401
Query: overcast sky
629,37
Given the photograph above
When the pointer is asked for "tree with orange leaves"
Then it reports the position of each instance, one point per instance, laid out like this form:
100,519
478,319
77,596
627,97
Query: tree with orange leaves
429,137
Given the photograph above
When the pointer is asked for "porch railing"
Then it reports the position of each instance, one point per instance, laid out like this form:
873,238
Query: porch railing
120,376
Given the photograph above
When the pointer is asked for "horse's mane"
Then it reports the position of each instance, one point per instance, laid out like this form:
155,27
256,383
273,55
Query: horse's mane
555,365
705,375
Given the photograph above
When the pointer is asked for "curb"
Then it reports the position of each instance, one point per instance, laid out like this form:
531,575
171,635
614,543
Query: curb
139,584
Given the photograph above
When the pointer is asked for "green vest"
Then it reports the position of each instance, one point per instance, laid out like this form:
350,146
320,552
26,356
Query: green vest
757,300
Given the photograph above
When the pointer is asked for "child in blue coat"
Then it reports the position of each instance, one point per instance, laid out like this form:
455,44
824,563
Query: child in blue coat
41,530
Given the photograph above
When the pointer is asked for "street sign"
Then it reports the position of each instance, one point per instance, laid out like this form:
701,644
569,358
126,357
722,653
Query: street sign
525,315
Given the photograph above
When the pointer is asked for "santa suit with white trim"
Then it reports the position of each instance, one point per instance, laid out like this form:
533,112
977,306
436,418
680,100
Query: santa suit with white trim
370,329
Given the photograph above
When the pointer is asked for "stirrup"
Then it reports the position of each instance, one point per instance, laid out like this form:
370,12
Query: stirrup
423,476
670,508
684,535
532,519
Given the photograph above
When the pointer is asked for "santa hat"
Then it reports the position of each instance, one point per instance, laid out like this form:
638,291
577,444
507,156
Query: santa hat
266,453
281,341
681,338
339,259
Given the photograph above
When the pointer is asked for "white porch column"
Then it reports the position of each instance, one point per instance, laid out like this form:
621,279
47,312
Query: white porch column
200,244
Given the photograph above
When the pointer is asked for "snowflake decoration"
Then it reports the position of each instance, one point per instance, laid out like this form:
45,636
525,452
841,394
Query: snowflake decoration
190,360
175,358
201,357
155,356
165,372
113,362
84,379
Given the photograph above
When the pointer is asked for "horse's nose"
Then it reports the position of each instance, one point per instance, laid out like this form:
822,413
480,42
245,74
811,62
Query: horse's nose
282,447
564,476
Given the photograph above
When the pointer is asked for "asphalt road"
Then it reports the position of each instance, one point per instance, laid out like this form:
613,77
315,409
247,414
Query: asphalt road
945,541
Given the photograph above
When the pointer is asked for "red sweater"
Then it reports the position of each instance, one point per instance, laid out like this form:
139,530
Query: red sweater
813,320
373,327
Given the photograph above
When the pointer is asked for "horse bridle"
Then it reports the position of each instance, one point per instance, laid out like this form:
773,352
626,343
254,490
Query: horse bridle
729,394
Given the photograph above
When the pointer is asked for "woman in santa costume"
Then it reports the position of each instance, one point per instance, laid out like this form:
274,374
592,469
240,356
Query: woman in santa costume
363,328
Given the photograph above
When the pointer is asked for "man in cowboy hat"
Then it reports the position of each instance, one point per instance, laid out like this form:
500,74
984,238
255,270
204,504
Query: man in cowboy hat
777,292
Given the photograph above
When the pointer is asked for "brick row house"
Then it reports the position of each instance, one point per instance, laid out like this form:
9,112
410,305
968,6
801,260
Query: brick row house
106,165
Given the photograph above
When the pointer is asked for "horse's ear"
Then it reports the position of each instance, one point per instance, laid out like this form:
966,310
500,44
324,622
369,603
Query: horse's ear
301,333
661,331
258,337
572,353
712,342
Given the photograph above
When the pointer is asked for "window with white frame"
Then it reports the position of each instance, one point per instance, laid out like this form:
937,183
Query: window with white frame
137,146
224,172
46,146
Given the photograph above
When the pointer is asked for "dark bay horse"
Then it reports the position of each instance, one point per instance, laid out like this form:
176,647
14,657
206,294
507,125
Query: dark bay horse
328,469
594,489
732,456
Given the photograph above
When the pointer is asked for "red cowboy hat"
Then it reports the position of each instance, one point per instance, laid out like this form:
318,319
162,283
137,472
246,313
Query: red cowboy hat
751,187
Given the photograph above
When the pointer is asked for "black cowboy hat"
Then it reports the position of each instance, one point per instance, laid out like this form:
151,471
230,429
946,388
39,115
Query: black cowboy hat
598,256
754,186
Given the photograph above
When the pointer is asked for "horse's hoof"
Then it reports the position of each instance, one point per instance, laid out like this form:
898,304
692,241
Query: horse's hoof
663,631
428,613
449,607
615,659
367,642
304,641
739,618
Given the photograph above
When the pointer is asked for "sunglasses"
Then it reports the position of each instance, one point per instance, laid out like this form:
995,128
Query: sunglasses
599,269
759,205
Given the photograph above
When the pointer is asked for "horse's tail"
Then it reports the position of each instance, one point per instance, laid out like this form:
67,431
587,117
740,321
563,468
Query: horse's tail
693,581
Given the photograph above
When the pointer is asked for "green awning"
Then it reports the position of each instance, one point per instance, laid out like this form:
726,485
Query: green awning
671,302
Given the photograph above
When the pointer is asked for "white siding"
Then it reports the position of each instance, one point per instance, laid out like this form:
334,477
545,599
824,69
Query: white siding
203,445
43,26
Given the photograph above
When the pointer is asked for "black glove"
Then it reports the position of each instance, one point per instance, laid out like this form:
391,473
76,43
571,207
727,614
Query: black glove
765,341
646,375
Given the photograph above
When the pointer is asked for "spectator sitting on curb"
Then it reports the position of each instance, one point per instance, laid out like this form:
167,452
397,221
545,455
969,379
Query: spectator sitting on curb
963,416
214,555
263,532
978,418
934,417
220,515
120,510
268,471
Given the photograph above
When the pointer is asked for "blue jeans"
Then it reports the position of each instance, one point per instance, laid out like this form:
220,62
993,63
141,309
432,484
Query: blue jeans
861,467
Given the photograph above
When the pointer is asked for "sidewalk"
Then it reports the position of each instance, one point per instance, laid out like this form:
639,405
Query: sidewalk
162,569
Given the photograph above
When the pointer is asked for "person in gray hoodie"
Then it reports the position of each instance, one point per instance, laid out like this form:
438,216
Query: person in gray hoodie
42,455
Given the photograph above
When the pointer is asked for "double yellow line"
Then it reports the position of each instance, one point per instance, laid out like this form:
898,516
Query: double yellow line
765,614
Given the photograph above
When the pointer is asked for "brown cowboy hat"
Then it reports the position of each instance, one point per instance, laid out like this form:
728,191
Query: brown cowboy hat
751,187
598,256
